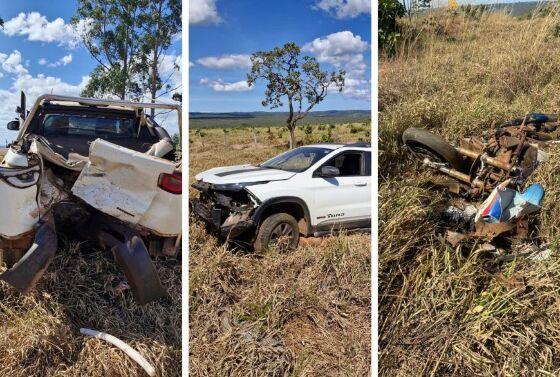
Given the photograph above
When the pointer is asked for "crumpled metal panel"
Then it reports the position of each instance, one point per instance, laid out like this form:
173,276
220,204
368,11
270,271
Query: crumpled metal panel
120,182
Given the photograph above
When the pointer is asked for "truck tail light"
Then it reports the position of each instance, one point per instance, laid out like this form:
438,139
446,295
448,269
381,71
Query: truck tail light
171,182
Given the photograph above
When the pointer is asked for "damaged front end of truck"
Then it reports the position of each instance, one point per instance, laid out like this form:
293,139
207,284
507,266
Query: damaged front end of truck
228,208
119,199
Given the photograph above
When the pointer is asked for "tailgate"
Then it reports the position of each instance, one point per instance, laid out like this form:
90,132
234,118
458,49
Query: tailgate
119,181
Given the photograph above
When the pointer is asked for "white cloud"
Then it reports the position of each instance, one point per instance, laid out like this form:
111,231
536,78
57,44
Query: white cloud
226,61
12,63
37,28
335,46
33,86
345,8
65,60
203,12
221,86
191,64
344,50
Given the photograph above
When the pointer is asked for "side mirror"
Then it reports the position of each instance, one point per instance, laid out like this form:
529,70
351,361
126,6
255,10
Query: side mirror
329,172
13,125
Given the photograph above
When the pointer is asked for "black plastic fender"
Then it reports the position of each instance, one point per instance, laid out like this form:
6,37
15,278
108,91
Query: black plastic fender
30,268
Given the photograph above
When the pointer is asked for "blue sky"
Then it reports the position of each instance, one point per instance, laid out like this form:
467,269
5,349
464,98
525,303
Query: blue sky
224,33
40,53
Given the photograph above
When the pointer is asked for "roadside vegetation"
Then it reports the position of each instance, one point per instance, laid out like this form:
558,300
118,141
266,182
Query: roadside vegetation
303,313
441,312
40,332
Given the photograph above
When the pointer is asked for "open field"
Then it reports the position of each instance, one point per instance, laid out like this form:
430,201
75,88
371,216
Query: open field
39,332
273,118
440,311
304,313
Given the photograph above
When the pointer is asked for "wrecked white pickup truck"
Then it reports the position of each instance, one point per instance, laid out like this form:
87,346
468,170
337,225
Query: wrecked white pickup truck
102,170
311,191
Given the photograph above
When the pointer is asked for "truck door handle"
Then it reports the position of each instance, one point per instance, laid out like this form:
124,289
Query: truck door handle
360,184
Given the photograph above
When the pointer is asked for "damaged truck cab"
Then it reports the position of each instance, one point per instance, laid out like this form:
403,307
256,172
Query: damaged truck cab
100,169
309,191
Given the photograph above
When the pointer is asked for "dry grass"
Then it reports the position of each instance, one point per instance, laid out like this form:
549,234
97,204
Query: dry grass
440,311
304,313
39,333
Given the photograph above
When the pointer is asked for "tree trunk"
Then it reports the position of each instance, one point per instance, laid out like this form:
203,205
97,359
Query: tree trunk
293,141
153,86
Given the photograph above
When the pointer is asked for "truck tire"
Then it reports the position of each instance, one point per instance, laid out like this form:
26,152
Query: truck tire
430,145
280,230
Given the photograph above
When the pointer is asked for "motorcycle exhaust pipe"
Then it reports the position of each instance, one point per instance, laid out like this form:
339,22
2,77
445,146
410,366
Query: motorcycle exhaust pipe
455,174
486,159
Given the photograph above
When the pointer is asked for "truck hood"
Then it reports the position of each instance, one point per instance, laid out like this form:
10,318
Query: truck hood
242,174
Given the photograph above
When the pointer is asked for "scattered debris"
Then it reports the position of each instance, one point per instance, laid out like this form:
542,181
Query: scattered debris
131,352
498,162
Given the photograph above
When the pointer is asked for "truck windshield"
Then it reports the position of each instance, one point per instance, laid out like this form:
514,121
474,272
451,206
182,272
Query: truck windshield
95,126
297,160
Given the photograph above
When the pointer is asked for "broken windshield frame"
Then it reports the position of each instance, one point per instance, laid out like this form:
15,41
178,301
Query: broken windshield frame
296,160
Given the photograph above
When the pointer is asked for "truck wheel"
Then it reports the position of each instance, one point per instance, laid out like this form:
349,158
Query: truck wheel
430,145
279,230
10,257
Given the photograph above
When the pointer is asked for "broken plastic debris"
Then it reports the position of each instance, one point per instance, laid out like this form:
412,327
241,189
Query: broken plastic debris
460,216
131,352
505,205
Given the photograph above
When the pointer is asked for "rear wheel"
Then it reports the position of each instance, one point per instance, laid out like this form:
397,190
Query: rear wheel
279,230
426,144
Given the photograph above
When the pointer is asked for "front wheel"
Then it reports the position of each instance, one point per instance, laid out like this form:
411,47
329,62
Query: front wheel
280,231
426,144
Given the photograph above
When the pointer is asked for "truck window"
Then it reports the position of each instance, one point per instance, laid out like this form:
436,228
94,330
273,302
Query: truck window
348,163
70,125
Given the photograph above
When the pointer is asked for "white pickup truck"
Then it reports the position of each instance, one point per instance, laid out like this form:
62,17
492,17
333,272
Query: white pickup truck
103,170
311,190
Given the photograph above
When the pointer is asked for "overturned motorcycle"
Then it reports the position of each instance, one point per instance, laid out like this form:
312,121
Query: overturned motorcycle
100,169
511,150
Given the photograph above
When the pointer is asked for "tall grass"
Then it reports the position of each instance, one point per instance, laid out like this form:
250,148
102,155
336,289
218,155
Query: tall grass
442,311
302,313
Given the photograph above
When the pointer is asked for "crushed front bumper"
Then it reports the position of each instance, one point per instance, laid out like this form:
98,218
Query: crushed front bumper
234,225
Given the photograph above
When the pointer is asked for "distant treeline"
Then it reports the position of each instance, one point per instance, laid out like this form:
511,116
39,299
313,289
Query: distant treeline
272,119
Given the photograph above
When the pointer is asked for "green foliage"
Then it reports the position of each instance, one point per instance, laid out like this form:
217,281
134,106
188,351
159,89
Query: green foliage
308,131
327,137
389,30
127,38
354,130
177,97
176,141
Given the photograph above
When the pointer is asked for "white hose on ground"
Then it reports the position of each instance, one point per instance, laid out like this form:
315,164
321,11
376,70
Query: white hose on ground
131,352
